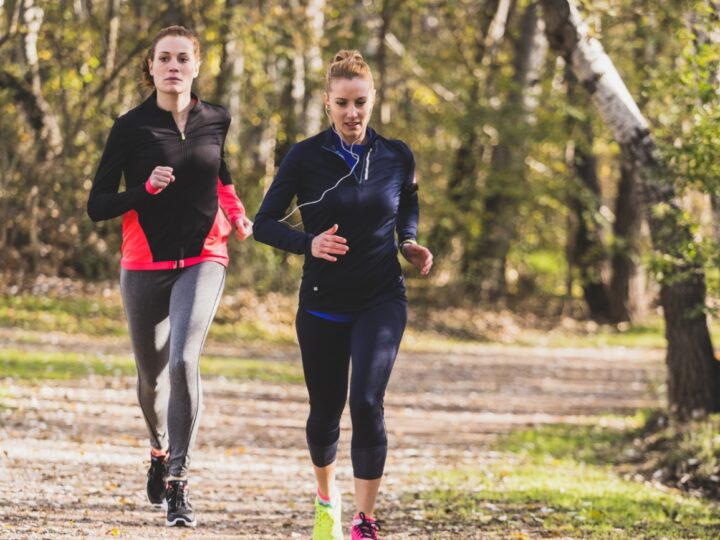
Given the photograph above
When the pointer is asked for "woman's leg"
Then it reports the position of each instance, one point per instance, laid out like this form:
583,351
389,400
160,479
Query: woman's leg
193,302
146,299
376,336
325,351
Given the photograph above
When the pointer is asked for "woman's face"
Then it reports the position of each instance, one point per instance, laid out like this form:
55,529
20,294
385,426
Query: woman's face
174,65
350,103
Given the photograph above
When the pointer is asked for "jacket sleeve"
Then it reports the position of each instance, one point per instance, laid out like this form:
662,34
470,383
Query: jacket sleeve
267,227
104,201
409,208
229,201
227,196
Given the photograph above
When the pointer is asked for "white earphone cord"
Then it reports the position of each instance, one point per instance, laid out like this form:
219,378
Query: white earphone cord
352,170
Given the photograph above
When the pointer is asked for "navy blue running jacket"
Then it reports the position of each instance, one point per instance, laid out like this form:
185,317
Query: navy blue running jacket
370,206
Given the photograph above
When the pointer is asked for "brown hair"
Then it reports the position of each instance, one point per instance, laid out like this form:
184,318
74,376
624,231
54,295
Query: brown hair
174,30
347,64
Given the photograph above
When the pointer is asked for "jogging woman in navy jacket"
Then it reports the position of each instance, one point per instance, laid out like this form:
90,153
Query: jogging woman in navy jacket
356,190
174,253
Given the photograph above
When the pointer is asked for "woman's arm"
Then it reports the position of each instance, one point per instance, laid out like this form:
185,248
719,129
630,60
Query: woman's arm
231,203
407,222
104,201
409,208
268,228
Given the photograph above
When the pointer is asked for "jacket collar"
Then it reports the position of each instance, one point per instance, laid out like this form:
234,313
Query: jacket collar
151,104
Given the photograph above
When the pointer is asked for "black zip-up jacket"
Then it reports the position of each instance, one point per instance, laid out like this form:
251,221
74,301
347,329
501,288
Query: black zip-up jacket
369,206
180,225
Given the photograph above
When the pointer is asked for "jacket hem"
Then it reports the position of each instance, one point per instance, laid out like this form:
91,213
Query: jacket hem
172,265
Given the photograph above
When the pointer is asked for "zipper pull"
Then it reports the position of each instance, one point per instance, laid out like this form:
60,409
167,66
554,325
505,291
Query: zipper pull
182,136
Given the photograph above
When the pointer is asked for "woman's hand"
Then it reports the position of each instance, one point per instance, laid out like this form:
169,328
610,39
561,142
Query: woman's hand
161,177
419,256
326,244
243,228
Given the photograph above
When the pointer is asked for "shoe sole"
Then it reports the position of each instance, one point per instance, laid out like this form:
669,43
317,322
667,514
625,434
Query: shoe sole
181,522
159,502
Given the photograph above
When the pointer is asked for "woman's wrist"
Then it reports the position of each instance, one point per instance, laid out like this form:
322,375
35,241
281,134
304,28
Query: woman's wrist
406,242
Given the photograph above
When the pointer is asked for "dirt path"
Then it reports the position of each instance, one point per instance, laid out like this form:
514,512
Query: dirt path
72,453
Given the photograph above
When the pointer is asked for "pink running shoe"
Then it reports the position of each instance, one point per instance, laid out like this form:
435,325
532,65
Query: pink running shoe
364,527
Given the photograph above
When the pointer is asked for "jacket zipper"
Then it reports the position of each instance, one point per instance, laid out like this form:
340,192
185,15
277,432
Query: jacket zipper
180,263
366,168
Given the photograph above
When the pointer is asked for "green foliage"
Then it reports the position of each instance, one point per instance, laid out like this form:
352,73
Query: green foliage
569,499
98,316
33,365
596,444
444,91
73,316
559,480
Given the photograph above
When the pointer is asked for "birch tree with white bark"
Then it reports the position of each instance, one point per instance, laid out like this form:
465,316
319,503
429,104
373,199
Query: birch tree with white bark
693,372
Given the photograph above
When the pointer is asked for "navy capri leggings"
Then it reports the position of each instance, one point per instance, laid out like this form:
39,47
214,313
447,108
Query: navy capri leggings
371,340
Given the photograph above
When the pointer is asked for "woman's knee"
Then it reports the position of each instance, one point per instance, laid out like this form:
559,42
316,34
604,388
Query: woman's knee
366,409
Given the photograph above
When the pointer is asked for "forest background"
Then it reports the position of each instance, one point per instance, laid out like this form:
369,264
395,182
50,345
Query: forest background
570,198
531,198
525,193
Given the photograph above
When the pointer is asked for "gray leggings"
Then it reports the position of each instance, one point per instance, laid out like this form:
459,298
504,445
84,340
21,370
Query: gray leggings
169,314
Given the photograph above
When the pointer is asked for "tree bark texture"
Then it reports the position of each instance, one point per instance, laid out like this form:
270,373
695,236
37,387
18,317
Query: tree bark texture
693,372
626,303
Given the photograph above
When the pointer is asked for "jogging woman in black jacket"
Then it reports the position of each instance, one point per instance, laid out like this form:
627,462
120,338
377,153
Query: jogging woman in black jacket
170,151
356,190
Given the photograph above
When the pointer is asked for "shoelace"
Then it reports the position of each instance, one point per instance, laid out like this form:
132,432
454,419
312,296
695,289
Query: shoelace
179,496
367,528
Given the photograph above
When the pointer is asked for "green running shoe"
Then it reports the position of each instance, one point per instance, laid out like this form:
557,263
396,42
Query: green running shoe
328,519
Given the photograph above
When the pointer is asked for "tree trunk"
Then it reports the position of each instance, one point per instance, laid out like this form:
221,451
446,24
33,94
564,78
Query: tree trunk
113,27
386,11
506,182
313,119
586,251
693,372
626,231
50,132
462,184
297,83
13,19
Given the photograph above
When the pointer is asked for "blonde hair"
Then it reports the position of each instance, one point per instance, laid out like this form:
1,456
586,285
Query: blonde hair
347,64
175,30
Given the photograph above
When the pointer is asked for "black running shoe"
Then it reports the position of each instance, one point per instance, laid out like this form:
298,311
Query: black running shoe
179,509
156,480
